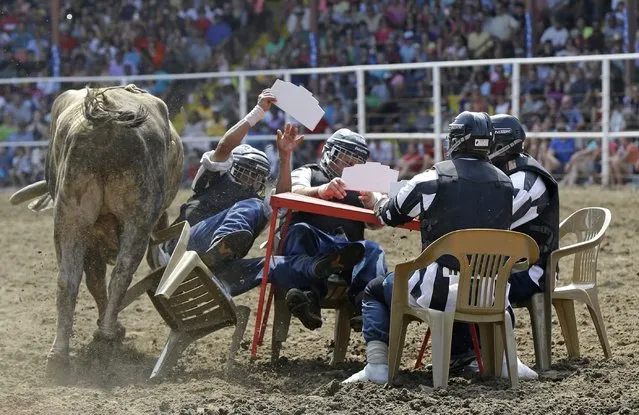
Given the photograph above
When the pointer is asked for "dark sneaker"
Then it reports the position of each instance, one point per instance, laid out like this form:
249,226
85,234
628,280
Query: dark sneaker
336,262
459,362
230,247
357,323
304,306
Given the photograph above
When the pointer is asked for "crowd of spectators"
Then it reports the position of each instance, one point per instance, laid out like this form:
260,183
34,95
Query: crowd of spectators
126,37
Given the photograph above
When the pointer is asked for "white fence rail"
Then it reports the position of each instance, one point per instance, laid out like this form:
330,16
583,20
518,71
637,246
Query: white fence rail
605,135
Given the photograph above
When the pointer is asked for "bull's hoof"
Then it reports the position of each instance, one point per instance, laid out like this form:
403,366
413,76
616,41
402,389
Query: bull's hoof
120,333
58,367
100,353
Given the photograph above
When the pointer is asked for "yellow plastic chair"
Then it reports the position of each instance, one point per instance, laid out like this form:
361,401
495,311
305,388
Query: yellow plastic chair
192,302
486,258
589,225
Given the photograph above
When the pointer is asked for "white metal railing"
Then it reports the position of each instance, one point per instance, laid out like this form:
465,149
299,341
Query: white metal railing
436,67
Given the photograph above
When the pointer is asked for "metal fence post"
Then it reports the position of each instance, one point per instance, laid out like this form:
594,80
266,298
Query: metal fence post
361,101
437,112
605,121
243,99
287,78
515,89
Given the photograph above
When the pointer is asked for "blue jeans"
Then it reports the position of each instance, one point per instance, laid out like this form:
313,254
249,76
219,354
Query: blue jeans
244,215
521,287
292,271
376,307
304,239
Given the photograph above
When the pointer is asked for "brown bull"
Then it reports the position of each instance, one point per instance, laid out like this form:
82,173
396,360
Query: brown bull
113,166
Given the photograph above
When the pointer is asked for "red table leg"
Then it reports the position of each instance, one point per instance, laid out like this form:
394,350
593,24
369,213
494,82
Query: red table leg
271,292
480,362
260,304
420,356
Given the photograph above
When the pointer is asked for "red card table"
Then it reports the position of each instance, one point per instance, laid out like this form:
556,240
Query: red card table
295,202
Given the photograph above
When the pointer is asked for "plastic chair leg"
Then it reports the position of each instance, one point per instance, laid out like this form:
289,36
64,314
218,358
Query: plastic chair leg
242,317
396,340
508,337
597,318
538,319
487,340
568,322
441,326
175,344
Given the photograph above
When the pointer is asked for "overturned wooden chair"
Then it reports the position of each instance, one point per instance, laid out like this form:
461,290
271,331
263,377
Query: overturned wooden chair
188,297
336,299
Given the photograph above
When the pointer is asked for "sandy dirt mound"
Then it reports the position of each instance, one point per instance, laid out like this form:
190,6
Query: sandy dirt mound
302,382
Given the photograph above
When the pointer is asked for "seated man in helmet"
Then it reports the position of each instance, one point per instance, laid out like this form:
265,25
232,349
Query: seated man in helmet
227,210
312,234
536,204
464,192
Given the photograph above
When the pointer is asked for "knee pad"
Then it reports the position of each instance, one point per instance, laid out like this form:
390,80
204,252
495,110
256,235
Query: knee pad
254,203
375,290
296,232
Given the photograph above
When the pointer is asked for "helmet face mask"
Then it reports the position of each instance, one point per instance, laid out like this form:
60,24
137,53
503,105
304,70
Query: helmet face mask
250,168
344,148
502,151
338,158
248,177
509,138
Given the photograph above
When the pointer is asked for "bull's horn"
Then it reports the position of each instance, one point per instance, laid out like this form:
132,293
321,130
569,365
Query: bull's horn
29,192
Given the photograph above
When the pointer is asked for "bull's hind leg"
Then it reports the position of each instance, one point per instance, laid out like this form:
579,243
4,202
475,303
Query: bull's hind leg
70,249
95,270
133,240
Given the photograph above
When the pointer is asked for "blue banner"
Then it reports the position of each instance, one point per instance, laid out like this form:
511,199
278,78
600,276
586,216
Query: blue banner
626,30
529,35
313,45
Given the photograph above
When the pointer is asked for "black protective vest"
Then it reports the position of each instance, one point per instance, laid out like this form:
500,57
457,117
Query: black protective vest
544,229
213,193
354,230
470,194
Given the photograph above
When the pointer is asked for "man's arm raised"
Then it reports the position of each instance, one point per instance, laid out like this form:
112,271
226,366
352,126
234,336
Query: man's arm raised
236,134
287,141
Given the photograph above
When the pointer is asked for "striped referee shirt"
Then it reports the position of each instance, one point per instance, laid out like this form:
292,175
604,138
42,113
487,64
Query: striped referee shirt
436,286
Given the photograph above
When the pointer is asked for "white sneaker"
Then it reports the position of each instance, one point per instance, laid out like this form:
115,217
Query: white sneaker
524,371
372,372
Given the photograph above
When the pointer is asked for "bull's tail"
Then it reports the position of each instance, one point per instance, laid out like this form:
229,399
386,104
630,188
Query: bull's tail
29,192
99,110
37,190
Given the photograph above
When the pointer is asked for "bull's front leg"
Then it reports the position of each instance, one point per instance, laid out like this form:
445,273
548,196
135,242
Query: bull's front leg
70,249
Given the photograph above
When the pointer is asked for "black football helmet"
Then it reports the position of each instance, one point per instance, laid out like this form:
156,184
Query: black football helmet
471,133
509,138
344,148
250,167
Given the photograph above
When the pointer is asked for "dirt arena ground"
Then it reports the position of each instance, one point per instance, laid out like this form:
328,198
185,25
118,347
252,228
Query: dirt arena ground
302,382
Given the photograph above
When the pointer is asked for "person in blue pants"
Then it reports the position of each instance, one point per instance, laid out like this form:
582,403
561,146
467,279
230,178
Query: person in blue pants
228,211
298,268
312,234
